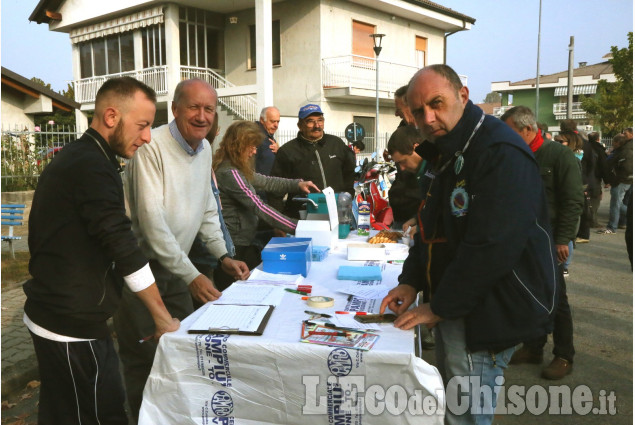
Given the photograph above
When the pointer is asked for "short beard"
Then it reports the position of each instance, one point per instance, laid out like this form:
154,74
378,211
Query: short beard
116,141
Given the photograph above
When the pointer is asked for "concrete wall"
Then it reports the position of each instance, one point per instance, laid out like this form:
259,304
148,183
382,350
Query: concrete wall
13,116
312,30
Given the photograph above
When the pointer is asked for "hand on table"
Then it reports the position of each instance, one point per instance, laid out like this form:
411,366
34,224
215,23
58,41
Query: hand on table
235,268
203,289
163,326
419,315
399,299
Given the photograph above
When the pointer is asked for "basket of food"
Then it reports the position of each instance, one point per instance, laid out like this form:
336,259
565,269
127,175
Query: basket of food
386,236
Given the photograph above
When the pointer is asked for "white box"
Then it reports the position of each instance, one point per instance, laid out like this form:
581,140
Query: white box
324,232
318,230
366,251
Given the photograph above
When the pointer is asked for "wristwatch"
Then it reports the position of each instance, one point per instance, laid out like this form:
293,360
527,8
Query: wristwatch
222,257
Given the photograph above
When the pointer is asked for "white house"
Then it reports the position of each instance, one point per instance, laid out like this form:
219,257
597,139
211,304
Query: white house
23,100
257,52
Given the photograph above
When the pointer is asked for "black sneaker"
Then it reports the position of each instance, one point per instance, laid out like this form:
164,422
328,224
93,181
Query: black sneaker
606,232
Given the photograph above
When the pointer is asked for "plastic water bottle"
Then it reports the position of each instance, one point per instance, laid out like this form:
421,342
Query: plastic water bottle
363,218
344,213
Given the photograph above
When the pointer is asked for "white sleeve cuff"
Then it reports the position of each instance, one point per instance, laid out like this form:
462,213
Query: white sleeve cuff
141,279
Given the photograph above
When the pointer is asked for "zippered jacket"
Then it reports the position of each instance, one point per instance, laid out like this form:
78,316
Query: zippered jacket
80,240
242,208
485,252
327,163
560,172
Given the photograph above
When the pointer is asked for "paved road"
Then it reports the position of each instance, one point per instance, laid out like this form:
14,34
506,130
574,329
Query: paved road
600,288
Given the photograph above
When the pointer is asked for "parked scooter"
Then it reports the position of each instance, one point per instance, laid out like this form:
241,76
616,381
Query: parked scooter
374,180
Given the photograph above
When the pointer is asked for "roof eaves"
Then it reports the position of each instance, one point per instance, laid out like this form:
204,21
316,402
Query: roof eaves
446,10
39,13
38,87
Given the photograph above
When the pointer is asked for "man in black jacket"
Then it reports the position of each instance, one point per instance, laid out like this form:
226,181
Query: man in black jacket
82,251
313,155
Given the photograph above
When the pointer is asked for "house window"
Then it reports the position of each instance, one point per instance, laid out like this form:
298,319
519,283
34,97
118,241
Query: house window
153,40
109,55
275,44
201,43
362,42
369,128
421,47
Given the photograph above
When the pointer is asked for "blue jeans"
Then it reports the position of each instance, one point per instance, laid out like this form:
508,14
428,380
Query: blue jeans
472,379
617,207
570,257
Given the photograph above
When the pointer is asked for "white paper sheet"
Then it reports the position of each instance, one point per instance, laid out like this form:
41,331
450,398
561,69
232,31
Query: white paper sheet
244,293
365,291
230,318
273,278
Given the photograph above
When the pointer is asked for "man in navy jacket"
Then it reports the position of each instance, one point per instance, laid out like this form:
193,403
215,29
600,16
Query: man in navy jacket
484,251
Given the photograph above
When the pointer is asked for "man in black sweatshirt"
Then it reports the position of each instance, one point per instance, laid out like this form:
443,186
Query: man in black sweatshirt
82,251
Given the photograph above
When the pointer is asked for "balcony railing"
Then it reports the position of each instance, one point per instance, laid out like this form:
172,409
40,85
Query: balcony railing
500,110
243,106
155,77
359,72
561,108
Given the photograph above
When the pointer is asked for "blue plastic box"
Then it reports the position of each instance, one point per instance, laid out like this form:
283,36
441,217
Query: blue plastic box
287,256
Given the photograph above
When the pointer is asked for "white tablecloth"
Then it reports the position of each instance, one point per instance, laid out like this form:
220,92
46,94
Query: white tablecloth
275,379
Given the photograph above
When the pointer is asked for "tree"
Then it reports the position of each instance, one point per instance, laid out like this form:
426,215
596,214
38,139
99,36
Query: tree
41,82
492,97
612,105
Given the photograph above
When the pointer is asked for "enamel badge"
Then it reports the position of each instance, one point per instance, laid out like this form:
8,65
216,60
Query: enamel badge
459,200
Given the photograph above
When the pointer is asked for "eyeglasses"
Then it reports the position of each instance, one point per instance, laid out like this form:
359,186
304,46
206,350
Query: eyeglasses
312,123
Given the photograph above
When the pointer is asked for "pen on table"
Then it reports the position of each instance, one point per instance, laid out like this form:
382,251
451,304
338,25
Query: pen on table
313,313
356,313
328,333
295,292
147,338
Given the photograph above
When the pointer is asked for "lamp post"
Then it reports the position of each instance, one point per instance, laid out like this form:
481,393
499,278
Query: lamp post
377,48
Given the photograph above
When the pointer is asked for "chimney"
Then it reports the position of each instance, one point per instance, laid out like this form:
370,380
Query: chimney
582,64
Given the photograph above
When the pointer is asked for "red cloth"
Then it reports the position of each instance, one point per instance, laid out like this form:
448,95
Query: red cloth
537,142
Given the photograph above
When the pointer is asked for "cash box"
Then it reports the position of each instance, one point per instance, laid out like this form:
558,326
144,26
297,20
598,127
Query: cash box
287,256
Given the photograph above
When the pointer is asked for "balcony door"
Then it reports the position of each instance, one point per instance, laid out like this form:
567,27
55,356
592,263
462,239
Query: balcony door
201,39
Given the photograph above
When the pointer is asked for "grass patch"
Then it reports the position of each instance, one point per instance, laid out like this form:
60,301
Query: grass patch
15,271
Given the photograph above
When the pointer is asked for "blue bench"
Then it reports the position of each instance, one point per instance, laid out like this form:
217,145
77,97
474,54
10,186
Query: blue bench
12,215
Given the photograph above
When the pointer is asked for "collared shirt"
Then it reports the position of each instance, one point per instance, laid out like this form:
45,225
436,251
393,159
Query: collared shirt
174,131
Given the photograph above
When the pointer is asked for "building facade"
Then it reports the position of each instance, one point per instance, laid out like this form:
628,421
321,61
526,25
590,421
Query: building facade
258,52
553,94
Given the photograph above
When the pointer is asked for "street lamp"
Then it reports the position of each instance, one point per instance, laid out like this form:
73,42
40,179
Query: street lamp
377,48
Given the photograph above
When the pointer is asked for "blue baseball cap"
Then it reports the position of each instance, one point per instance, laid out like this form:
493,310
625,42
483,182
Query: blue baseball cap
309,109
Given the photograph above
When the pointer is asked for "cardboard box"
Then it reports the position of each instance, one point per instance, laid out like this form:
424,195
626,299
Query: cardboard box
287,256
366,251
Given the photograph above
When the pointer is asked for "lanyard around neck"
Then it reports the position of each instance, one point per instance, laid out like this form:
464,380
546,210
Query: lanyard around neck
458,155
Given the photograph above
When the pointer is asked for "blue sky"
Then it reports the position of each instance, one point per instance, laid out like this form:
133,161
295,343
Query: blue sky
501,46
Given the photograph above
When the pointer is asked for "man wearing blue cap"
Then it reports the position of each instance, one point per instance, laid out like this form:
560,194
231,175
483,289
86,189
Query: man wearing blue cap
321,158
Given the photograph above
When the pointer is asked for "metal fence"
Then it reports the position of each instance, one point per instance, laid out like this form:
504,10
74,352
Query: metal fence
26,152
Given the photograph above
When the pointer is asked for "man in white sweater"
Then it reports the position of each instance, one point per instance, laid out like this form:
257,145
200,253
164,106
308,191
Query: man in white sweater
169,194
